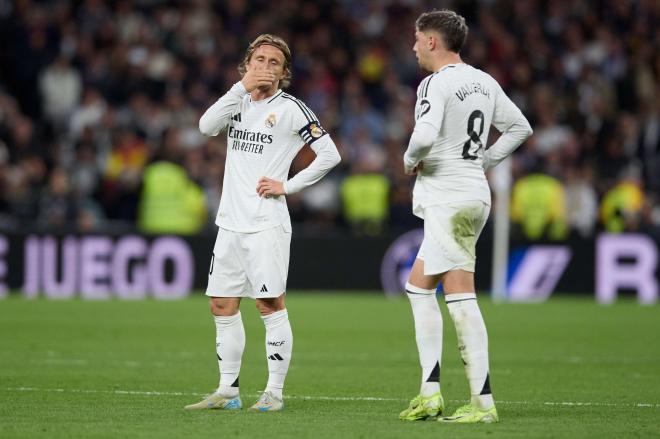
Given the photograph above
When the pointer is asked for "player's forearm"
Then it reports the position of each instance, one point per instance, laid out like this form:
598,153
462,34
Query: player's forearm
420,144
327,157
511,139
217,117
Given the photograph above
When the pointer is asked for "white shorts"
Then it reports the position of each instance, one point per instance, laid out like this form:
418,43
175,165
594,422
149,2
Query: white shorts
249,264
451,231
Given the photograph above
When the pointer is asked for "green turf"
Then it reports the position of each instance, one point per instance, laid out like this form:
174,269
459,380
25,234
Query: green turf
81,369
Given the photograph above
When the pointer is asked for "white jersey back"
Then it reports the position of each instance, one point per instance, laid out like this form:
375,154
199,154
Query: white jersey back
263,138
460,102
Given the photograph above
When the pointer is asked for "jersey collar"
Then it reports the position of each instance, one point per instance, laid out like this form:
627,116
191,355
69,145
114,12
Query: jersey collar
451,66
267,100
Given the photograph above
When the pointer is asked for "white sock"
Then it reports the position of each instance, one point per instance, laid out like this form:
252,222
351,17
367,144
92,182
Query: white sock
229,345
472,344
279,344
428,334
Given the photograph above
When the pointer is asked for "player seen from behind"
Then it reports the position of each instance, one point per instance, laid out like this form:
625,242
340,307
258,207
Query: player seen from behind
456,105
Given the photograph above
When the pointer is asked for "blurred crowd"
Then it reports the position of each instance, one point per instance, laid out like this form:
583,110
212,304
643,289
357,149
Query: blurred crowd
93,93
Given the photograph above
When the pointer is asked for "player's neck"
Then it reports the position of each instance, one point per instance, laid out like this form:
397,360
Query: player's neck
259,94
446,59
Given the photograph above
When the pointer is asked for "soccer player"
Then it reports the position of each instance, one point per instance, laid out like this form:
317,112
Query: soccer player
265,130
455,108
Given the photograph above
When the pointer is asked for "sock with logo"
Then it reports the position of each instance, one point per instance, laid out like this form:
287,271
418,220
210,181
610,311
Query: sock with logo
229,346
472,344
428,334
279,344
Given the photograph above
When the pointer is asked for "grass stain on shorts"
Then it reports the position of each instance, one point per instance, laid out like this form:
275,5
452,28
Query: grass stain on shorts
464,226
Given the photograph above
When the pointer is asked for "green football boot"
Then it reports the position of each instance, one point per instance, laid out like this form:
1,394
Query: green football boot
469,414
421,408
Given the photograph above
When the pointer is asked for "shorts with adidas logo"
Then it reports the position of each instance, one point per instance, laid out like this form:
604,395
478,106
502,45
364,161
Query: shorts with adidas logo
250,264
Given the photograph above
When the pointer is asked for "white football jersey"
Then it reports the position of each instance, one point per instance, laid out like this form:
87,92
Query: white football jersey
461,103
263,138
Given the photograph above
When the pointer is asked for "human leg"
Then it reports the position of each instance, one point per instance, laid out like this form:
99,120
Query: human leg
420,290
471,334
230,343
226,277
279,346
268,274
452,231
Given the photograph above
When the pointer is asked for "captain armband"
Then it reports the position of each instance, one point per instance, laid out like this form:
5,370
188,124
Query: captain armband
311,132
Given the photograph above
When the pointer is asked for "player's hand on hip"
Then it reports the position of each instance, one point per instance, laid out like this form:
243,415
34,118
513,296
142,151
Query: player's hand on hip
415,169
255,78
267,187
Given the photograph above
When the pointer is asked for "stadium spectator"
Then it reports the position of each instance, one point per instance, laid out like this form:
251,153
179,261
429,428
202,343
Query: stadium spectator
123,174
538,207
648,143
60,86
57,207
170,202
622,205
581,201
365,202
586,78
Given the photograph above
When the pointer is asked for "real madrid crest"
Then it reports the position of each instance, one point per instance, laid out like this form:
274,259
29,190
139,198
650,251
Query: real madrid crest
271,120
315,130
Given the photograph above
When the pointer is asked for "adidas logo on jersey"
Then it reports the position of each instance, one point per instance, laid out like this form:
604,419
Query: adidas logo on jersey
263,289
237,117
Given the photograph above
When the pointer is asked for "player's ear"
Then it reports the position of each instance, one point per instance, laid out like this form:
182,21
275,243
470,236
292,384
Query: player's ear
432,42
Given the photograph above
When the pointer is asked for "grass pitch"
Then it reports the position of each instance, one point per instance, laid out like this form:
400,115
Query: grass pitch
567,368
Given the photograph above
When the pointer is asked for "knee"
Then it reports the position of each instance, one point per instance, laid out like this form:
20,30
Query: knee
269,306
222,306
458,281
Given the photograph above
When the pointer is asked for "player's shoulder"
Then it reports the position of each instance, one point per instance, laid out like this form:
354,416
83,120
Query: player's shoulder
481,75
296,106
425,85
438,81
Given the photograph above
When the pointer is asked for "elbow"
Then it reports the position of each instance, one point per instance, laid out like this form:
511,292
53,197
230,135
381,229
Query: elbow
336,159
206,127
528,130
328,153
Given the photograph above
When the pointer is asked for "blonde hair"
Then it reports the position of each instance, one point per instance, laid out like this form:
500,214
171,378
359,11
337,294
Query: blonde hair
270,40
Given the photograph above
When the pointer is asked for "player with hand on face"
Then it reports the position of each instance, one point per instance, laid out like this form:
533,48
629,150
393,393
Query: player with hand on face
456,105
265,130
